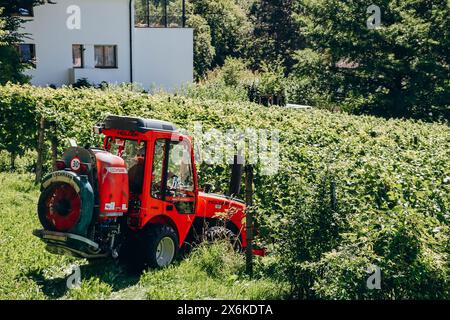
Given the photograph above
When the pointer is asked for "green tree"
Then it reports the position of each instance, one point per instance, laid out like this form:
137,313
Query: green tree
204,51
276,33
229,24
398,69
11,67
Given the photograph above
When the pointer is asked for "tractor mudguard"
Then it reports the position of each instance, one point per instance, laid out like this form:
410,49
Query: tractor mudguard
80,192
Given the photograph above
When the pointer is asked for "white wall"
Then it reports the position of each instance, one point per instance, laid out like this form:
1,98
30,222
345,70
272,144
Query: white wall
102,22
163,57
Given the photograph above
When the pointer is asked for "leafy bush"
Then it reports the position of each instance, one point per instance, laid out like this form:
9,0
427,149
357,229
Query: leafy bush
82,83
268,87
18,122
233,72
218,260
224,83
235,82
270,80
211,271
303,91
214,91
350,191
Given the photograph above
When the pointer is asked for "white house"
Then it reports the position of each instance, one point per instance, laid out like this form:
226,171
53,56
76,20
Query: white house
108,40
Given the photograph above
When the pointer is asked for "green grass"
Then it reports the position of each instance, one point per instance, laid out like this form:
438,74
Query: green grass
27,271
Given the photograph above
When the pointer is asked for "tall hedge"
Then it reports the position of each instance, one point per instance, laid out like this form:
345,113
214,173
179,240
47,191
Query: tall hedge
351,191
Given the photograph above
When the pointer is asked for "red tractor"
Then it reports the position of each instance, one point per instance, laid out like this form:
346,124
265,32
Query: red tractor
136,198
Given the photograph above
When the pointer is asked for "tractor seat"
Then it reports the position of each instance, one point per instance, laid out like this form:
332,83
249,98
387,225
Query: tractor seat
136,177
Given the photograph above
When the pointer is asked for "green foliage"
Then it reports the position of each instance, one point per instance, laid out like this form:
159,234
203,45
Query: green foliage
11,67
82,83
217,264
214,90
21,264
350,191
308,83
22,164
234,81
400,69
229,24
233,72
211,272
392,209
92,288
204,51
271,79
303,91
18,123
276,34
226,83
3,33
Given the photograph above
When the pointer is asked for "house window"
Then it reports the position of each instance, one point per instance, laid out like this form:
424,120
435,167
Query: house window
157,17
27,53
78,56
23,8
160,13
106,56
175,13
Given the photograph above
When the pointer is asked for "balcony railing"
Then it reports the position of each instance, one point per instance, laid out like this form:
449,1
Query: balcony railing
160,14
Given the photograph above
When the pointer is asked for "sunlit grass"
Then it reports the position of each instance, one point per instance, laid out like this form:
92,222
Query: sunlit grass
29,272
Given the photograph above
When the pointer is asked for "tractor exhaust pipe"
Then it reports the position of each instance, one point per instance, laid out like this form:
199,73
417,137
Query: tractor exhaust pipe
236,175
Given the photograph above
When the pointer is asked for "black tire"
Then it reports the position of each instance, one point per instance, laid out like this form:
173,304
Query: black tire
221,233
42,210
159,246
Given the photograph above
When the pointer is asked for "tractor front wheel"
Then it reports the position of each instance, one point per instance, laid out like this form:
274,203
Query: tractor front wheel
160,246
221,233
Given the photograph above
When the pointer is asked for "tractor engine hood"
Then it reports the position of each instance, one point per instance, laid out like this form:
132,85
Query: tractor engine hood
222,206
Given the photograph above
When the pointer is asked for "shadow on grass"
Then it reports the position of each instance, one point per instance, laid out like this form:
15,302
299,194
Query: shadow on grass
51,288
107,271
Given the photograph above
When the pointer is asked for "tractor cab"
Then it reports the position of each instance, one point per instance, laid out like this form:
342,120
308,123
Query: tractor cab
160,165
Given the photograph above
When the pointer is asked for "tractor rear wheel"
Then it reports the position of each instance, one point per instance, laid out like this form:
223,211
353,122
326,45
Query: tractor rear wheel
59,207
221,233
160,246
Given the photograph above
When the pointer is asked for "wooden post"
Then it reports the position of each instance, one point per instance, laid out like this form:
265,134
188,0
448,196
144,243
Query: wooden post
249,218
54,142
40,151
